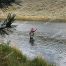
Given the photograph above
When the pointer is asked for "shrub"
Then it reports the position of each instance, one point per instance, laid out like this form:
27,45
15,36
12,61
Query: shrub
12,57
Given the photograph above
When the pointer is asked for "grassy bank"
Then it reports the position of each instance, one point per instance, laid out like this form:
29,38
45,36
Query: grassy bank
12,57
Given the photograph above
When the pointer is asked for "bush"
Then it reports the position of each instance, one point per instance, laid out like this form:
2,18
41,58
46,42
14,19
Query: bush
12,57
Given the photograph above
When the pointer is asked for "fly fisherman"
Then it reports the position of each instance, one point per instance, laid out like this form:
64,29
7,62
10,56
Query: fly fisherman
32,31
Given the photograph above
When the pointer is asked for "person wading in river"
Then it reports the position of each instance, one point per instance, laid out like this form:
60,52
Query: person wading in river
31,33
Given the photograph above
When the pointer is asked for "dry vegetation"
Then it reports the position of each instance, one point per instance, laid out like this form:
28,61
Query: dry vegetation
49,8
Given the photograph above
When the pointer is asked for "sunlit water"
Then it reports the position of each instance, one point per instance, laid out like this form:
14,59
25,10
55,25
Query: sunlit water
50,40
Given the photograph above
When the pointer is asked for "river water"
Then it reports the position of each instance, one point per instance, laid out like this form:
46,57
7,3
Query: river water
50,40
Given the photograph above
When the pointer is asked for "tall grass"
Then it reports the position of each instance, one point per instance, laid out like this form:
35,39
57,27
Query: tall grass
12,57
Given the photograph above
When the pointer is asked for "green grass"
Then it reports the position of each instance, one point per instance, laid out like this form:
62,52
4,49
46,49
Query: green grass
13,57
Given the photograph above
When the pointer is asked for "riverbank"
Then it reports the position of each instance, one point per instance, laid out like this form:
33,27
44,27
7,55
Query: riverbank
40,10
36,18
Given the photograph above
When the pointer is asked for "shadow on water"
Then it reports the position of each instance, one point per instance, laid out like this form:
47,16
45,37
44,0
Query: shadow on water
7,31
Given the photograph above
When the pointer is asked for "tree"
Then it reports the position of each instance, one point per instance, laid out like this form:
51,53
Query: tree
4,3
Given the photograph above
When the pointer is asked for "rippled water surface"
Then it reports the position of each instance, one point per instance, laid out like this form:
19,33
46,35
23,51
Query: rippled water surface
50,40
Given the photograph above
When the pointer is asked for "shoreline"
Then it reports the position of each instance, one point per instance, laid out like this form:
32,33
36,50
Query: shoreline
36,18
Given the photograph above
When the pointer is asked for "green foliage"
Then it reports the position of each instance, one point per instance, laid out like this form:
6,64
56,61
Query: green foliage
10,19
12,57
4,3
38,62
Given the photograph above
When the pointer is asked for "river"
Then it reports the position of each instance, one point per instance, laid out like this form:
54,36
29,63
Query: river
50,40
